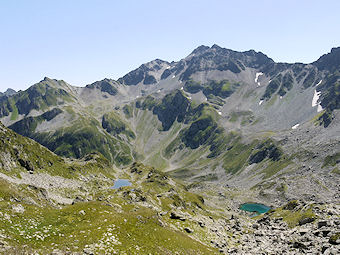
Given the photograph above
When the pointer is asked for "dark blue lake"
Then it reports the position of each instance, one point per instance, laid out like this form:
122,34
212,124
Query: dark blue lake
121,183
254,207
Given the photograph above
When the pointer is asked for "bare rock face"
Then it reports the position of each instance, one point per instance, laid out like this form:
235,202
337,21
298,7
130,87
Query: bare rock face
26,164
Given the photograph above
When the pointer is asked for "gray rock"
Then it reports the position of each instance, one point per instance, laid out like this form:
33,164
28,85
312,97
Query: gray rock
18,208
57,252
177,216
255,226
88,251
303,231
188,230
306,220
299,245
322,224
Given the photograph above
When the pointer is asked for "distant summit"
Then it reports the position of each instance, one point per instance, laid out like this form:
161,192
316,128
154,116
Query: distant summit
329,61
8,92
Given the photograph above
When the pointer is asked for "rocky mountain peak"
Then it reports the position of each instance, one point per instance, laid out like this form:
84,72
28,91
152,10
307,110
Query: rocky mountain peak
329,61
156,62
148,73
217,50
50,82
206,58
106,85
206,50
215,46
8,92
336,50
200,49
47,79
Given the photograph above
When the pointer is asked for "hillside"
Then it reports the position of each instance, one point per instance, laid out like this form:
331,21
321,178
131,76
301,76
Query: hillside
50,204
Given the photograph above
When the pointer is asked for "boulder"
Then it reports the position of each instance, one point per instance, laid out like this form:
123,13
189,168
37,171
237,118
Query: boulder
322,224
188,230
177,216
335,239
306,220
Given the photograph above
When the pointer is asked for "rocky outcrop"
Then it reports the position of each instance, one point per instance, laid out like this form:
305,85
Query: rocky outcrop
106,85
144,73
173,107
267,149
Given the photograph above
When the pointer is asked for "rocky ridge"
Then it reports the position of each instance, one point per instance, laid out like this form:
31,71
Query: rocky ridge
218,128
215,105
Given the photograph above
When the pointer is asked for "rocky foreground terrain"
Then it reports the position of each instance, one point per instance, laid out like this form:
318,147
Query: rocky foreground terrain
316,233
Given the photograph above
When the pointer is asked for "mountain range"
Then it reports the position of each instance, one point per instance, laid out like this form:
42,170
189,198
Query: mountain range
227,124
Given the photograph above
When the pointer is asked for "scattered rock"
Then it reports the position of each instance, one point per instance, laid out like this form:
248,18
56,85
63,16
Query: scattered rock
325,232
201,224
57,252
303,231
324,248
255,226
299,245
291,205
78,200
18,208
322,224
188,230
335,239
306,220
26,164
88,251
177,216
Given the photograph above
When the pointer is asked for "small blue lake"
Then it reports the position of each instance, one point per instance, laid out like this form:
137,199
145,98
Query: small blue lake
121,183
254,207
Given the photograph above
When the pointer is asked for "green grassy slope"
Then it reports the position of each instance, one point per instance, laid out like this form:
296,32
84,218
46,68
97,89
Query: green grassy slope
125,221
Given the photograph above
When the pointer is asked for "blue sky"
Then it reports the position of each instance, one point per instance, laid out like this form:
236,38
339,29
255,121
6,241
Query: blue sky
81,41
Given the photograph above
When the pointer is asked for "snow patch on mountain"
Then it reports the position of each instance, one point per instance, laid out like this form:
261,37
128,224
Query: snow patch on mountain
257,78
316,98
295,126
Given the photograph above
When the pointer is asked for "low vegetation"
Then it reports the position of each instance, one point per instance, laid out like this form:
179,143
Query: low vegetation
293,214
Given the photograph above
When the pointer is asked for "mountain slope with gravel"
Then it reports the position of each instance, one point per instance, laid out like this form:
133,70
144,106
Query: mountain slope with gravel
217,116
